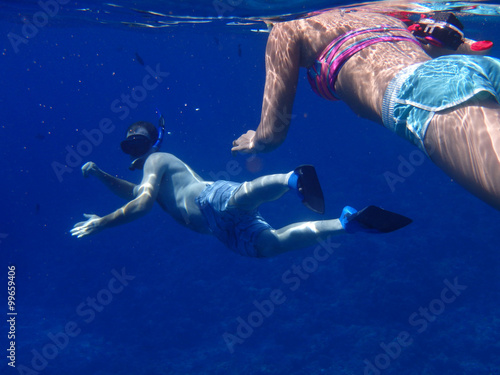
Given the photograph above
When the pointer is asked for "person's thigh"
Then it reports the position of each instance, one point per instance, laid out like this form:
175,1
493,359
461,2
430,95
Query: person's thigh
465,143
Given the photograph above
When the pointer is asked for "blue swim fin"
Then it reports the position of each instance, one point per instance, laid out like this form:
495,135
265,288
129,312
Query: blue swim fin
305,181
372,219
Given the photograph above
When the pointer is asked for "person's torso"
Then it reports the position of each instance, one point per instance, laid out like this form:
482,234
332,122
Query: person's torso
179,187
363,78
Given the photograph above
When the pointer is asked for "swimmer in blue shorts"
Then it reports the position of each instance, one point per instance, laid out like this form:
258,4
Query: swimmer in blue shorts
380,65
225,209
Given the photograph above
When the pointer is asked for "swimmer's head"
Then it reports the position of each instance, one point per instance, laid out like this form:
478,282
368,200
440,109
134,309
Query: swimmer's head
441,29
141,136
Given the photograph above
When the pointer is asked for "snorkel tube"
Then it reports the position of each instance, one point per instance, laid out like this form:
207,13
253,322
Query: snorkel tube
161,131
139,162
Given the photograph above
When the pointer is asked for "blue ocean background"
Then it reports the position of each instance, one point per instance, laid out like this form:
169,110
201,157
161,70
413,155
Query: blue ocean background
379,304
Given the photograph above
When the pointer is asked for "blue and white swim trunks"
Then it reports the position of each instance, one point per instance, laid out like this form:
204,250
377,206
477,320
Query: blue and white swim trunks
237,229
417,92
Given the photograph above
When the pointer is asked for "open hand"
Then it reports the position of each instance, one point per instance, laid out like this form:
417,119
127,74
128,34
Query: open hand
85,228
244,144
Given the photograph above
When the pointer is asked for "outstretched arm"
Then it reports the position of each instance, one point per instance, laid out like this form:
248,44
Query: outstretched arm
282,72
119,187
136,208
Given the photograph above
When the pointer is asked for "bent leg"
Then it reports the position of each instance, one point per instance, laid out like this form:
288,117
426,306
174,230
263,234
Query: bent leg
252,194
465,143
296,236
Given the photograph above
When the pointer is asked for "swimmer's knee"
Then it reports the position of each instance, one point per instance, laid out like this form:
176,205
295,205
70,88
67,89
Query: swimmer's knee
268,244
242,198
237,196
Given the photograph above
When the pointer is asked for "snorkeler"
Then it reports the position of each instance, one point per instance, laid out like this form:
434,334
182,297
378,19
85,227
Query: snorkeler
442,33
225,209
447,106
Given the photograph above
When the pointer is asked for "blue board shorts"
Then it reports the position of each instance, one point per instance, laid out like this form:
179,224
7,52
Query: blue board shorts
237,229
419,91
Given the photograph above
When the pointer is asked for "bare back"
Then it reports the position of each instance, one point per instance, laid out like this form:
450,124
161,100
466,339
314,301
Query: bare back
178,188
363,79
361,82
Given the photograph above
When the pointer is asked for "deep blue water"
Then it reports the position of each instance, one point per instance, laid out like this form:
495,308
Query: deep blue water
387,300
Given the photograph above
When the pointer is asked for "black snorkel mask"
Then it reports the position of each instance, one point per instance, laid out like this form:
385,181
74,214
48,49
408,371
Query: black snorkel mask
138,144
442,29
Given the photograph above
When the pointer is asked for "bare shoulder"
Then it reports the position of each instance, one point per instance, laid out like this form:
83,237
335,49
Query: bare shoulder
161,157
284,32
163,161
